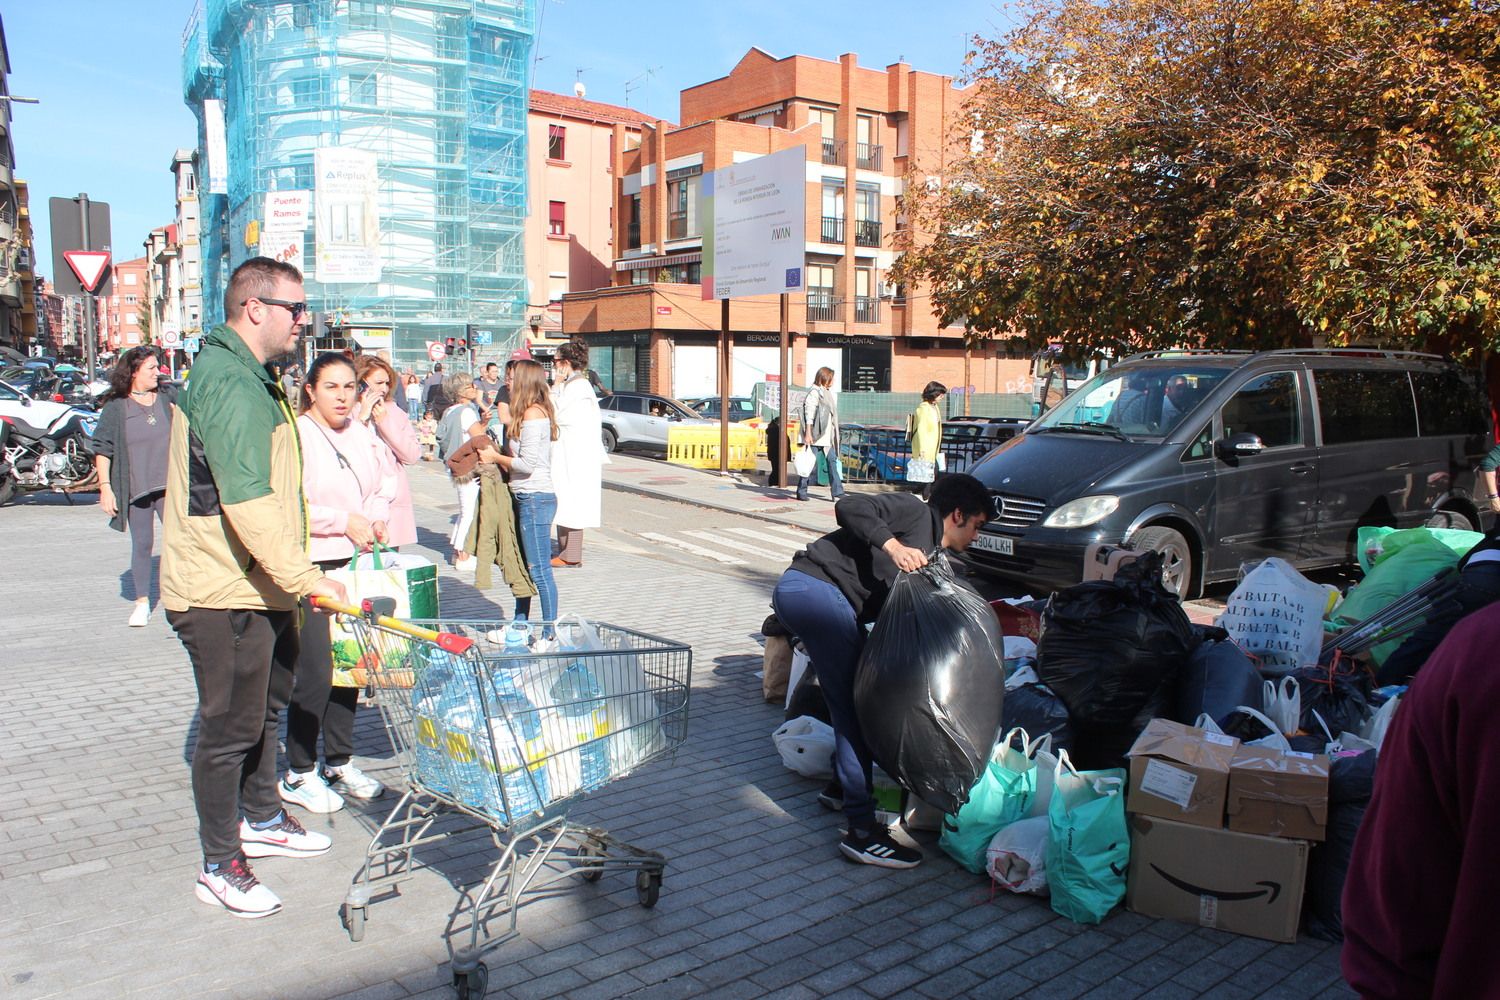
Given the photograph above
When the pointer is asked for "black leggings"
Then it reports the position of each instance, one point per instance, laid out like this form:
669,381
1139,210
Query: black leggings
142,535
316,705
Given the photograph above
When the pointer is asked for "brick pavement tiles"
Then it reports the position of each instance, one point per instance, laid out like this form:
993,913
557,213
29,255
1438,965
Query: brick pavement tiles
98,846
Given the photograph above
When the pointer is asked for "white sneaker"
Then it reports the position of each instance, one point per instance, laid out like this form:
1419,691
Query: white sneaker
286,839
466,565
310,792
141,615
352,783
234,886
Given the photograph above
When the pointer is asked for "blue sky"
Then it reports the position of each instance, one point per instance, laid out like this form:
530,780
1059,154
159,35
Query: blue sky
109,75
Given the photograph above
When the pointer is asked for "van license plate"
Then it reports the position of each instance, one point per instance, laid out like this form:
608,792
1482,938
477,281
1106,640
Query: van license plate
995,543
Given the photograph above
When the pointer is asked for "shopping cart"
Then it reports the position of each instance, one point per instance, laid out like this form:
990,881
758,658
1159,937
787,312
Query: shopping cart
500,729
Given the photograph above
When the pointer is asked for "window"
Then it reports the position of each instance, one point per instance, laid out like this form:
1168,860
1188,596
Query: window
129,279
1267,407
557,142
306,90
629,404
362,89
867,215
821,304
866,305
1358,405
826,118
557,222
833,211
363,13
682,202
1447,403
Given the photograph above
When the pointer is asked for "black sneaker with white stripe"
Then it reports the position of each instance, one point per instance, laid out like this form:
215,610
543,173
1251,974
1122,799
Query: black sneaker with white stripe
877,848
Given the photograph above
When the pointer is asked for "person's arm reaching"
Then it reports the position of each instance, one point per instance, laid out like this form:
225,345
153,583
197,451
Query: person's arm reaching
399,435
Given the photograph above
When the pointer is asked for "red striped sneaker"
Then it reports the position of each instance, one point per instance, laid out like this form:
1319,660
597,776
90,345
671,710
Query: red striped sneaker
286,839
234,886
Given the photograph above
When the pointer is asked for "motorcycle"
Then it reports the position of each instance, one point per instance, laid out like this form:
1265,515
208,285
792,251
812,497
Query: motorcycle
57,457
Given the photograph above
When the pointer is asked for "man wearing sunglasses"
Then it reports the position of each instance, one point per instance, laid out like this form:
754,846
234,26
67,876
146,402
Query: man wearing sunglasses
234,565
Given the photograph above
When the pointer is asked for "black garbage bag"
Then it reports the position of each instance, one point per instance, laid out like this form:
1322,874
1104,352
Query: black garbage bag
930,685
1112,650
1036,709
1340,694
1244,727
1218,678
1351,782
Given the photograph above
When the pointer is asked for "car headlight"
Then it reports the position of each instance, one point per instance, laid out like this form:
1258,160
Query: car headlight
1082,512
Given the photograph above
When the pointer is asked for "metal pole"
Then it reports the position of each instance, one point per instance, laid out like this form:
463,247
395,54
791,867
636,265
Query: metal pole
723,386
780,448
967,384
91,333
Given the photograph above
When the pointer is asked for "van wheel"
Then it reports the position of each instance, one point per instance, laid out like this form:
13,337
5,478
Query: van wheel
1176,557
607,436
1455,519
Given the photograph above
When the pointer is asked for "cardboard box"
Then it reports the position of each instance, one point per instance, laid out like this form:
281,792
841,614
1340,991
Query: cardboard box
1236,882
1181,773
1279,793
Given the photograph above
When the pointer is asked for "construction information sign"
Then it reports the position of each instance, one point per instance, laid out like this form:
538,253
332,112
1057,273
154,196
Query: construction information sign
348,216
756,239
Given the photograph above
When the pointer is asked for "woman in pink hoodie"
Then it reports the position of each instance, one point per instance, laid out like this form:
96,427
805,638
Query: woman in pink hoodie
398,437
349,492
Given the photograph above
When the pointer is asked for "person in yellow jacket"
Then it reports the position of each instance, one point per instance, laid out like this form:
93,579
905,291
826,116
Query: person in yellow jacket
924,429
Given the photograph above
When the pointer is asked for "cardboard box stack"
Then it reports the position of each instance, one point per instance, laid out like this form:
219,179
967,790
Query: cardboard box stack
1184,865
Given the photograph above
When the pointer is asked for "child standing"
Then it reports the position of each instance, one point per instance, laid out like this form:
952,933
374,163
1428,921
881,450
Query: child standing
427,435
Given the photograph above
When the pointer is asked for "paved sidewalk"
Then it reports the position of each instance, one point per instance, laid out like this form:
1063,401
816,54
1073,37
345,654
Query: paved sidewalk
98,843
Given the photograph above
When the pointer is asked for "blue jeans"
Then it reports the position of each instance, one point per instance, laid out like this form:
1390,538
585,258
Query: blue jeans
534,514
818,613
835,474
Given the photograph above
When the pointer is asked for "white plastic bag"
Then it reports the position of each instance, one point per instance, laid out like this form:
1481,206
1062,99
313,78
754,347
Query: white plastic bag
1283,704
1017,856
1275,741
1018,646
800,661
1374,730
804,462
1040,751
1276,615
633,715
806,746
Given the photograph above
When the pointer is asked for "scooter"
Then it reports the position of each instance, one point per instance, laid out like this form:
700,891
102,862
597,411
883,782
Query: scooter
58,457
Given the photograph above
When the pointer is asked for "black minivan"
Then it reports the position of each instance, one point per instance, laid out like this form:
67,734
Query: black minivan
1218,458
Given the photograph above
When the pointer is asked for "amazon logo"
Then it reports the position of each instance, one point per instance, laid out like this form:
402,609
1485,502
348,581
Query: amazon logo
1271,890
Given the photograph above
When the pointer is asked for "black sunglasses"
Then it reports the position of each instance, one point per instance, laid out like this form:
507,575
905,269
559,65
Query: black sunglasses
296,308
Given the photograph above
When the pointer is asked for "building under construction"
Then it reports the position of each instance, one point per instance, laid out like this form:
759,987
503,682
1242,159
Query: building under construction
379,145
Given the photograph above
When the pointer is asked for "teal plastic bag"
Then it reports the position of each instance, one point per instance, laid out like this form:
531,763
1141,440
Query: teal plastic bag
1373,544
1088,843
1002,795
1405,560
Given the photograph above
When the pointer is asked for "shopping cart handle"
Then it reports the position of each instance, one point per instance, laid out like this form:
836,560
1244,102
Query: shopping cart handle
337,607
381,611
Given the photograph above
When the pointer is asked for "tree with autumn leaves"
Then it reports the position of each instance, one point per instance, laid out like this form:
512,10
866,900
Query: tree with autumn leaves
1224,173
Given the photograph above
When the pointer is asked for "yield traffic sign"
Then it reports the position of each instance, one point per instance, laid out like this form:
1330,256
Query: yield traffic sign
88,265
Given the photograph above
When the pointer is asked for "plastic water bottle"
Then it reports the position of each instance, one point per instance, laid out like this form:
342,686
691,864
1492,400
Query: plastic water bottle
580,704
520,748
428,709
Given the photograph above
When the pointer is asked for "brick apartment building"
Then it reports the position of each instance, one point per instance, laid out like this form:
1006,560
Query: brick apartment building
119,312
863,131
569,239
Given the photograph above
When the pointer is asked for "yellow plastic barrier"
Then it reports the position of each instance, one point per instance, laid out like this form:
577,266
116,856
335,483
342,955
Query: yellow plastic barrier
697,447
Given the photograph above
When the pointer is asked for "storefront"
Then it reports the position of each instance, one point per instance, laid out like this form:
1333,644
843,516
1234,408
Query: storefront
859,363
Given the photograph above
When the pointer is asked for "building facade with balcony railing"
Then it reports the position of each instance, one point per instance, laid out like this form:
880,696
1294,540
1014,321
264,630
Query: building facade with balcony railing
858,129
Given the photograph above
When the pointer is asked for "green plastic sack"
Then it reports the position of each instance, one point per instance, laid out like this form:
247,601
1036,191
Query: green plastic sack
1407,559
1088,844
1001,796
1374,544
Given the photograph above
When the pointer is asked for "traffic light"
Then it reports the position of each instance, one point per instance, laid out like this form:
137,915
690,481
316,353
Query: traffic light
463,344
448,346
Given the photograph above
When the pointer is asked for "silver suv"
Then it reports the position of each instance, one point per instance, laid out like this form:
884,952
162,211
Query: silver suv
640,420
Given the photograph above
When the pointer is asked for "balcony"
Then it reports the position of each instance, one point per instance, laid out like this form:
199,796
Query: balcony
632,236
833,152
867,155
866,309
867,233
822,306
833,229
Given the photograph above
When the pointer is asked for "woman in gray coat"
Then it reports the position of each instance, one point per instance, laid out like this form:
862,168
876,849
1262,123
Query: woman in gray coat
130,449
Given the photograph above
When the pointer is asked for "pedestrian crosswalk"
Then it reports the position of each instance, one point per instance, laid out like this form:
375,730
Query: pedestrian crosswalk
725,545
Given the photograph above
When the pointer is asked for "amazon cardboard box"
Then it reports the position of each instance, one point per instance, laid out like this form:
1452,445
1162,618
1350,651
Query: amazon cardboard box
1181,773
1236,882
1279,793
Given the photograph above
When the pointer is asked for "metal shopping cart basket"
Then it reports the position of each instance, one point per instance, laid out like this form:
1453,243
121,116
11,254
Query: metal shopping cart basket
498,728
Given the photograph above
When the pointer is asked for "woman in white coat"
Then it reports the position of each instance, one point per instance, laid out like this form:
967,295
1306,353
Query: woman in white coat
578,455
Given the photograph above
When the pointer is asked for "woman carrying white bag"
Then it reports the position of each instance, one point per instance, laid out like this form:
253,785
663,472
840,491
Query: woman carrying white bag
349,493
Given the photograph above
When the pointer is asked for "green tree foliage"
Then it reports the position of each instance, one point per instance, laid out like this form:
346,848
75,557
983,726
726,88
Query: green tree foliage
1229,173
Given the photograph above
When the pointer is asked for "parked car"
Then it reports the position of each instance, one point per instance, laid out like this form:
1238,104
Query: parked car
641,420
968,439
1282,453
873,454
18,405
741,408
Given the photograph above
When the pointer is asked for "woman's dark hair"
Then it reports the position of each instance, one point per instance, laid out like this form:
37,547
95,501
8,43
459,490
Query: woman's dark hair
575,353
315,371
123,373
933,391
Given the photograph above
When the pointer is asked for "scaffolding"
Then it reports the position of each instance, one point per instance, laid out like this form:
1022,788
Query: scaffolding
438,90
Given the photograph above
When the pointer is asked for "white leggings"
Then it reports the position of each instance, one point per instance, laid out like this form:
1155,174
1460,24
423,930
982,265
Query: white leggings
468,500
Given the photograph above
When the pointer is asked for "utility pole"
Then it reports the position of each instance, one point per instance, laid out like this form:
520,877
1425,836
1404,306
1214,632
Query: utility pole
91,332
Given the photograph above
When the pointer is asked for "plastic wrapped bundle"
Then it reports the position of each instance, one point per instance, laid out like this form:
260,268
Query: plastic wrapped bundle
930,685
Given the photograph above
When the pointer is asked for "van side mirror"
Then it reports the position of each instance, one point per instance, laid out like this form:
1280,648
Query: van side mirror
1240,445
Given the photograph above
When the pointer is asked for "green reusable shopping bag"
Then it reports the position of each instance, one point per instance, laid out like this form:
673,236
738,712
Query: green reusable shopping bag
1002,795
1088,844
410,580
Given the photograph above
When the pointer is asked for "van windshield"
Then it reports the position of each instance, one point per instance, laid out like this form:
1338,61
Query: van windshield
1133,402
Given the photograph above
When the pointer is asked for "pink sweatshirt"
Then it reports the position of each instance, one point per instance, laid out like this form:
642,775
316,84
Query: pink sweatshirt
342,473
400,448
